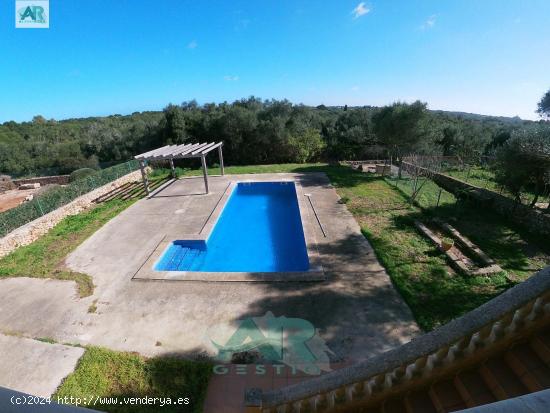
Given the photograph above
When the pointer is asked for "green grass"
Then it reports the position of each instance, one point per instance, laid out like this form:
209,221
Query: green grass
44,258
107,374
517,251
48,340
485,178
160,173
434,292
428,194
476,175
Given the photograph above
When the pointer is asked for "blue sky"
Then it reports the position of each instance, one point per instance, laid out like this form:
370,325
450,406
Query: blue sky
101,57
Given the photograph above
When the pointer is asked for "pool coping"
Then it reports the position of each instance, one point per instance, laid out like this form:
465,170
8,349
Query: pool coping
315,273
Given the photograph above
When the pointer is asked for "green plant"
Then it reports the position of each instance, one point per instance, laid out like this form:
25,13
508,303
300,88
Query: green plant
48,340
106,374
447,243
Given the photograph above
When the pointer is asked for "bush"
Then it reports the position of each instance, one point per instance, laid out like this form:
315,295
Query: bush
81,174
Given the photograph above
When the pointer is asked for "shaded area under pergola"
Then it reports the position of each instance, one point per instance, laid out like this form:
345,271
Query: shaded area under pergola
171,152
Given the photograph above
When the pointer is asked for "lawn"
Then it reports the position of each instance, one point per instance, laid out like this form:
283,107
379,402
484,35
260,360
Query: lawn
159,173
485,178
102,375
44,258
476,175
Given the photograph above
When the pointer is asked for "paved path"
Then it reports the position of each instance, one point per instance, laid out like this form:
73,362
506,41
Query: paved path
34,367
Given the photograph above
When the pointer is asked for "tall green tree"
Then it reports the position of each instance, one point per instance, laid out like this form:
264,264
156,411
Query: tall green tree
174,125
523,162
350,134
544,106
307,146
398,128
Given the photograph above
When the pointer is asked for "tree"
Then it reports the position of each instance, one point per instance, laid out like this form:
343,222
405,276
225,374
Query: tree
174,125
306,146
39,119
70,158
544,106
397,128
523,162
14,159
451,138
349,136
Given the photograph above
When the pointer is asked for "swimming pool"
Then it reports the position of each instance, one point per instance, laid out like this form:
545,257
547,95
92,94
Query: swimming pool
259,230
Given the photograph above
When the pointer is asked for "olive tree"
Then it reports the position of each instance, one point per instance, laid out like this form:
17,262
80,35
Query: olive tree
306,146
544,106
397,127
523,162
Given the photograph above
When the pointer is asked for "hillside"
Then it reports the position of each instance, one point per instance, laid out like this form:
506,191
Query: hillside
253,130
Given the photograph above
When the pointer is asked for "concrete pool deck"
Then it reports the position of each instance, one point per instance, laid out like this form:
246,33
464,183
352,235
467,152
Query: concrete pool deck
309,225
356,309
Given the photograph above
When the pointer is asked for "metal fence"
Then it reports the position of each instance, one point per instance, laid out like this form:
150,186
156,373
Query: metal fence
426,193
56,197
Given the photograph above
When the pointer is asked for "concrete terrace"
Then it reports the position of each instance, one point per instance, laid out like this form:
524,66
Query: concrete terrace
356,309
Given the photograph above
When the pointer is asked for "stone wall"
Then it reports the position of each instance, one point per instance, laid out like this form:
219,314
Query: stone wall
535,220
44,180
28,233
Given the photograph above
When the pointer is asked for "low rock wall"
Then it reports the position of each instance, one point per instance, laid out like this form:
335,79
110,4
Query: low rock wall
535,220
31,231
43,180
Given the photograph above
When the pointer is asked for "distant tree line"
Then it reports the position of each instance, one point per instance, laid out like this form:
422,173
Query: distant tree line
254,131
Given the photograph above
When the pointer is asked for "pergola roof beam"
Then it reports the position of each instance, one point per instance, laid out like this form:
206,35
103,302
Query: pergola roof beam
178,147
198,148
202,148
211,148
190,149
150,153
173,151
165,151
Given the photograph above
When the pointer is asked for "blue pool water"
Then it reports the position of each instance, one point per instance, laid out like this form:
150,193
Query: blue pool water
259,230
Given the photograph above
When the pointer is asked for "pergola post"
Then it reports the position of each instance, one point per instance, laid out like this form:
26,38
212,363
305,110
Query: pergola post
172,168
221,159
144,176
205,173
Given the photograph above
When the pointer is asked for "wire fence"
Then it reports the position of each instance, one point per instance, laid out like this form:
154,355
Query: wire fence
427,194
483,176
56,197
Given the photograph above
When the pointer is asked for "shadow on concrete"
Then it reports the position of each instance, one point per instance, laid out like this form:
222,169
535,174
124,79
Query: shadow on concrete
359,314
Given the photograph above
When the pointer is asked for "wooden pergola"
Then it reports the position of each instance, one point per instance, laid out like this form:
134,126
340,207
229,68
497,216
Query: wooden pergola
171,152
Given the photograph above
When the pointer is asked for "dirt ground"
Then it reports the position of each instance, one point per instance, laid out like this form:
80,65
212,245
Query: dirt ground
12,198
